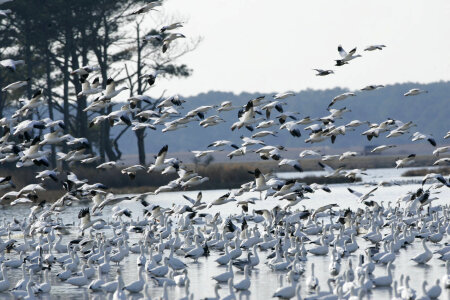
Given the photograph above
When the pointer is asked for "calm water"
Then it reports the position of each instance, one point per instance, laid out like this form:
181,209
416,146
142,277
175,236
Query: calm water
264,281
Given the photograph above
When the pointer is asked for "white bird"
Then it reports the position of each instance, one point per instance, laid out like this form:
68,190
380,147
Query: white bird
384,280
425,256
11,64
244,284
341,97
361,197
414,92
382,148
15,85
138,285
374,47
346,57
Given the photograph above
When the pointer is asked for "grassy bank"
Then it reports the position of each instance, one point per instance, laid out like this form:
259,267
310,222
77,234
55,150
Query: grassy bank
221,175
422,172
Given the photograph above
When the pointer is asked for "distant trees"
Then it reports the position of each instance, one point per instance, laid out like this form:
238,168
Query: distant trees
58,36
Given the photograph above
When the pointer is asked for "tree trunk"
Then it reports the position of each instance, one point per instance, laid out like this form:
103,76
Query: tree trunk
139,133
48,70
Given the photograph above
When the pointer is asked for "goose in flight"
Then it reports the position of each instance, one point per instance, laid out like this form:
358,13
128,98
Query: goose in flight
414,92
421,136
331,172
372,87
308,152
400,163
11,64
374,47
146,8
226,106
171,27
15,85
132,170
291,162
361,197
441,150
85,70
281,96
382,148
341,97
321,72
88,89
5,12
169,39
346,57
110,91
151,77
159,164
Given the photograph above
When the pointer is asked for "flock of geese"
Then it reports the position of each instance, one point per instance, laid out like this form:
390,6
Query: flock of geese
170,240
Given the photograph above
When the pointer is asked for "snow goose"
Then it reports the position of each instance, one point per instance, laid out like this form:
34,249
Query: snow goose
226,106
138,285
361,197
96,284
312,282
374,47
225,276
11,64
345,57
331,172
284,95
87,89
4,284
434,291
321,72
286,292
425,256
421,136
341,97
244,284
15,85
414,92
384,280
110,91
159,163
404,162
372,87
79,280
45,286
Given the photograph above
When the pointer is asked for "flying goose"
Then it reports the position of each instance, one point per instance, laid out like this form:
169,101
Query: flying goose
85,70
374,47
321,72
421,136
284,95
372,87
15,85
171,26
11,64
361,197
341,97
346,57
146,8
110,91
382,148
414,92
400,163
169,39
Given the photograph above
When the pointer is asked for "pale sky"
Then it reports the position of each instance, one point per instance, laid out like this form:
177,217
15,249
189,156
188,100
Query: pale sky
266,46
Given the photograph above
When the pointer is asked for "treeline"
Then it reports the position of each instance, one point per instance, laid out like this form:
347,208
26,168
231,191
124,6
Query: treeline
59,36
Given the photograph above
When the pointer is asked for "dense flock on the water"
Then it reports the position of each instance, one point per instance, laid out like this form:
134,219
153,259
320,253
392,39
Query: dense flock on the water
172,239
